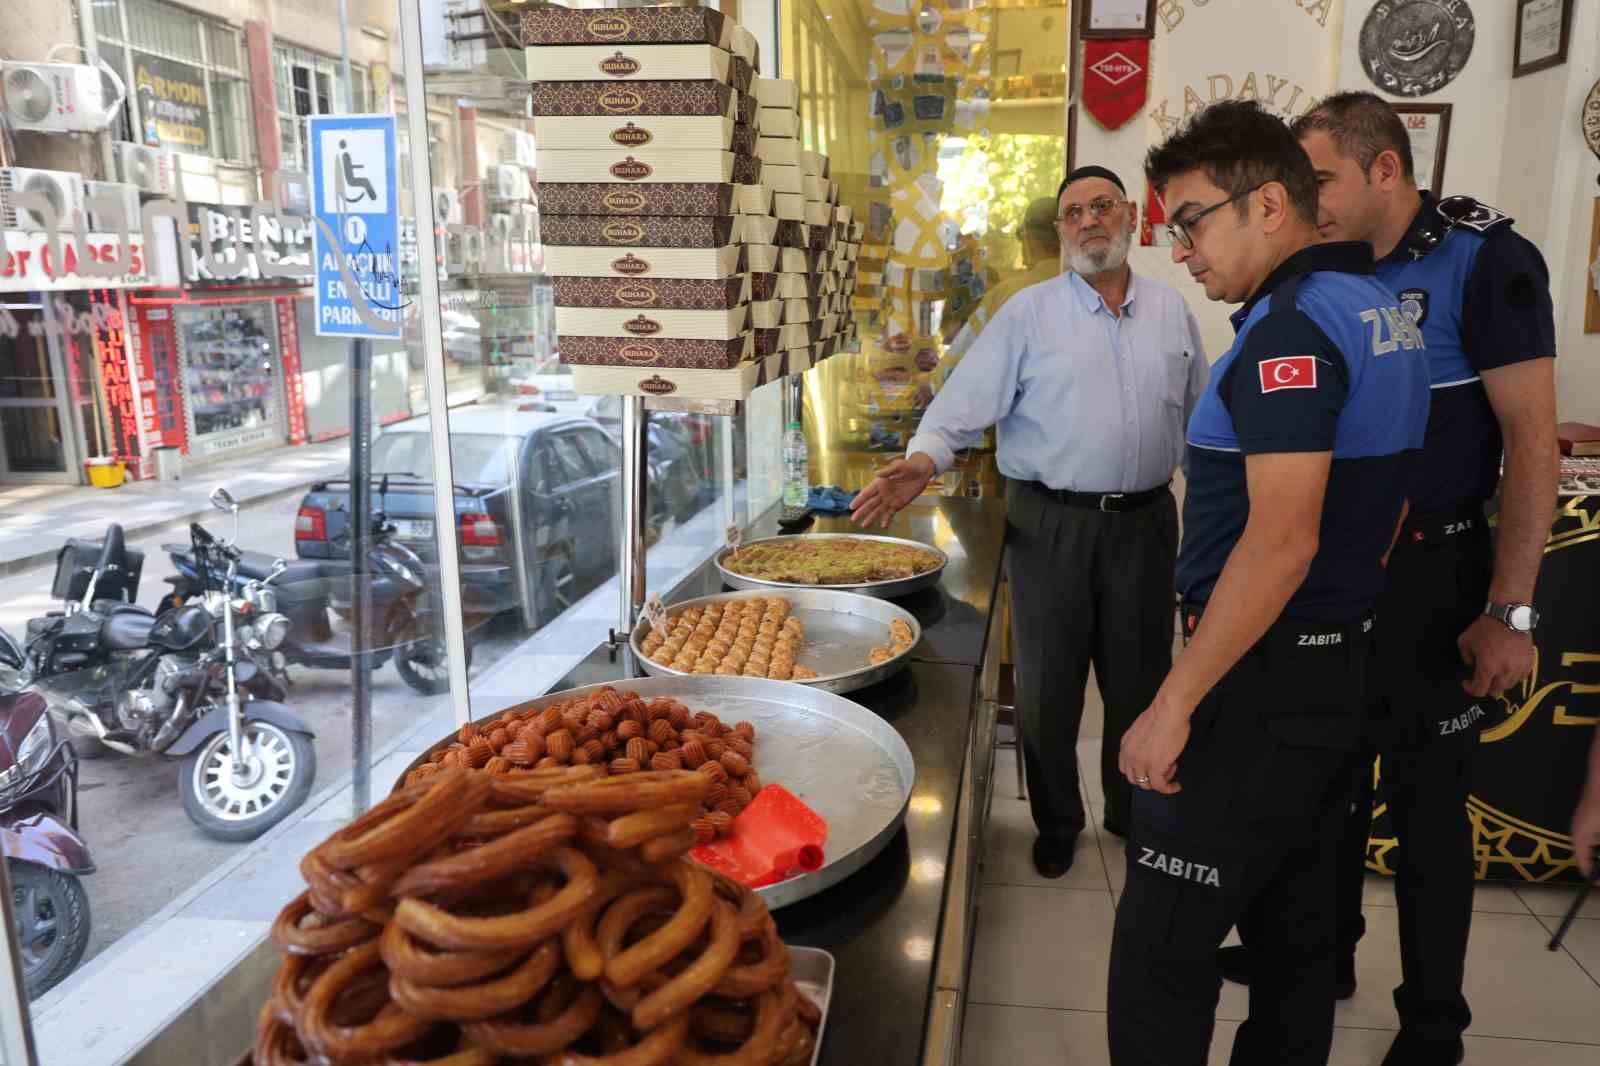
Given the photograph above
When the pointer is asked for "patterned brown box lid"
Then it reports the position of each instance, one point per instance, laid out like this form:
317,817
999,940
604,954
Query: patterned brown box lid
744,75
643,25
694,294
749,112
763,286
648,198
746,170
645,231
791,234
674,353
635,98
744,139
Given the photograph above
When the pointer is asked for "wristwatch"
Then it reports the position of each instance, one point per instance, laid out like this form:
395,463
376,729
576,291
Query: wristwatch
1517,617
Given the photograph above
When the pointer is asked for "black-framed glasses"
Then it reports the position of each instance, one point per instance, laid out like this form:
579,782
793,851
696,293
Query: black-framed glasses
1182,230
1099,207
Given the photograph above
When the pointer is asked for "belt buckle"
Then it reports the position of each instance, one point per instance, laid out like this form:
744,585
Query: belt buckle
1109,496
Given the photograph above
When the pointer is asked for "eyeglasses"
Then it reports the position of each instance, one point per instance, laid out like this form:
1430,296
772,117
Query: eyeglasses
1182,230
1099,207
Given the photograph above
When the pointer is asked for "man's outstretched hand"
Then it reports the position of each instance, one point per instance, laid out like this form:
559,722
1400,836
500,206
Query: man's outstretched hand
896,485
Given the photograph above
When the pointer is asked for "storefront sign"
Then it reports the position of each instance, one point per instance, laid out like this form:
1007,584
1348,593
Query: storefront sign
29,264
172,103
294,389
356,235
1283,54
227,236
116,381
1116,79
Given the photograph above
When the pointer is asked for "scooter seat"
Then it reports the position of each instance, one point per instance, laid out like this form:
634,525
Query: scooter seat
126,631
259,565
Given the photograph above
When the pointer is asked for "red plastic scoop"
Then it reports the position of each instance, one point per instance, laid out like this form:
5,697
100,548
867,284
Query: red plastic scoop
775,838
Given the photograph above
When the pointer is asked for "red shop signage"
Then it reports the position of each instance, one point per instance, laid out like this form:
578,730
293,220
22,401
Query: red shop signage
1116,79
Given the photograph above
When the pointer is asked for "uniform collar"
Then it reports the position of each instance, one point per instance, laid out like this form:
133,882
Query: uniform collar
1346,257
1092,301
1426,221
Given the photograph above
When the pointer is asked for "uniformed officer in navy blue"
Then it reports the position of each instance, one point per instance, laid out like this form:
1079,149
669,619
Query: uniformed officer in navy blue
1299,455
1456,616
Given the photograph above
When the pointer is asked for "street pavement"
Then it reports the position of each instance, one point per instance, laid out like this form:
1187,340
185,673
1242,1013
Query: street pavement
145,848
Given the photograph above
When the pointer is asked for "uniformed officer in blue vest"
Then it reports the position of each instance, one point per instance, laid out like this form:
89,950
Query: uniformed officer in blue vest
1456,618
1299,454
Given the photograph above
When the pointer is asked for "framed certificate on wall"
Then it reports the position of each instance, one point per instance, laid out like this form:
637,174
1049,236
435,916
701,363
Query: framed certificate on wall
1428,126
1542,31
1117,18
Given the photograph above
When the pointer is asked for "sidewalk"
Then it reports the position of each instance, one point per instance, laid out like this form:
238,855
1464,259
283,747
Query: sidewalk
35,520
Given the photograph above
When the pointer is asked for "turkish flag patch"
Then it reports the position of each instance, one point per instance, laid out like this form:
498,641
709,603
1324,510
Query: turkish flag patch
1288,372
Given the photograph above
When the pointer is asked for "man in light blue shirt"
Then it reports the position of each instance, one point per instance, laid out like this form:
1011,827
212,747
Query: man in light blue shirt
1089,379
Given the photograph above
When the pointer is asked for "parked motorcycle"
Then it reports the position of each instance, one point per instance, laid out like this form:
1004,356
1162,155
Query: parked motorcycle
311,593
44,854
176,685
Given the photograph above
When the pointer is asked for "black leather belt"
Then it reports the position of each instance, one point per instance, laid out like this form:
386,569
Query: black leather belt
1111,502
1448,524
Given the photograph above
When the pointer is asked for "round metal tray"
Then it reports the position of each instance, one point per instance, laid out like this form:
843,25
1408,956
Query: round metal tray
841,628
899,586
845,762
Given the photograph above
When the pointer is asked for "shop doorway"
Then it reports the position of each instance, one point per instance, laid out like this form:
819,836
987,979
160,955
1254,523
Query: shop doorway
37,441
232,376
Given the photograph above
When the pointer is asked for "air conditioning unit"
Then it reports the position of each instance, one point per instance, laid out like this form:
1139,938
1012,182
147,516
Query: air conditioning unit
508,182
527,222
153,171
126,197
446,207
57,97
502,227
62,188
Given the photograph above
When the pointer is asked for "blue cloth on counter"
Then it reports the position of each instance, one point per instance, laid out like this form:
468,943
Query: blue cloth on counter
830,499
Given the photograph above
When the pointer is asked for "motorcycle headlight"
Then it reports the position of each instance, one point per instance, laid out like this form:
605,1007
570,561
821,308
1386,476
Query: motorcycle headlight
32,753
271,630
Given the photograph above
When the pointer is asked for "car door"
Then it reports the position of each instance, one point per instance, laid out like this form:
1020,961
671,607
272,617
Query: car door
573,496
605,495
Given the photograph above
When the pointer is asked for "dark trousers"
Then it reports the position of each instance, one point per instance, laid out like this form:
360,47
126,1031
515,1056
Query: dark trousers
1086,587
1423,729
1250,838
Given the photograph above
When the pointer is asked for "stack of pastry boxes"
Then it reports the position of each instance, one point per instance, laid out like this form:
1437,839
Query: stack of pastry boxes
645,127
784,281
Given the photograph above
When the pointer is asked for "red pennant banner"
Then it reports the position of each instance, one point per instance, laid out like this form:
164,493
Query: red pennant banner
1116,79
1153,230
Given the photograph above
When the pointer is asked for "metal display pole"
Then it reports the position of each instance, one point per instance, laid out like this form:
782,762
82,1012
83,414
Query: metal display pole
724,428
446,531
635,484
16,1027
360,519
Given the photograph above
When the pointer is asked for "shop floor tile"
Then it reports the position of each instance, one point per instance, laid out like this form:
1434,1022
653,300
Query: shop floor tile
1042,947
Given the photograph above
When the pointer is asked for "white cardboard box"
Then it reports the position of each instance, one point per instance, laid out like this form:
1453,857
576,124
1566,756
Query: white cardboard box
628,62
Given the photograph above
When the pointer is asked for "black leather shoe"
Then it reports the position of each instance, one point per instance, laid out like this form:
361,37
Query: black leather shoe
1408,1050
1234,962
1052,858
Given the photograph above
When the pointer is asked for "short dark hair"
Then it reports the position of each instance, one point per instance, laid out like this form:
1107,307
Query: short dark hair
1363,125
1239,146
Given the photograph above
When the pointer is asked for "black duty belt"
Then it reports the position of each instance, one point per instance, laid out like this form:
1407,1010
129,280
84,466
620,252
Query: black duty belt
1448,524
1112,502
1289,632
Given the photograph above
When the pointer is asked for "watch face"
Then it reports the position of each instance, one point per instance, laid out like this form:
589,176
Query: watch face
1523,618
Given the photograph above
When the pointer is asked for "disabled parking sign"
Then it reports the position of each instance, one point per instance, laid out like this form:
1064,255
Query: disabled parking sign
355,226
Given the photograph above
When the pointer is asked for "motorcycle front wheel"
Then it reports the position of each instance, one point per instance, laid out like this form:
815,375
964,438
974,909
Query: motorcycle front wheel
50,911
423,664
279,769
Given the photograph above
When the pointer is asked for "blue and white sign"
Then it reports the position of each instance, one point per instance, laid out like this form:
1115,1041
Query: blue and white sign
356,226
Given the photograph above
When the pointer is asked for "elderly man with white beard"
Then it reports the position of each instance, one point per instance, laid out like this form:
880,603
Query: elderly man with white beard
1089,379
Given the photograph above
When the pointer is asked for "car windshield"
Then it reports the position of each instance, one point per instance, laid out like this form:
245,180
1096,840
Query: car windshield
476,458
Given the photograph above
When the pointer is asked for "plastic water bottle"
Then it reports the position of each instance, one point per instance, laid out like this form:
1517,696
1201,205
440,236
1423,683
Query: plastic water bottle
796,472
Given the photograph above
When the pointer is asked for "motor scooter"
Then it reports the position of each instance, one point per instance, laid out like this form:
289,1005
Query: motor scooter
44,853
